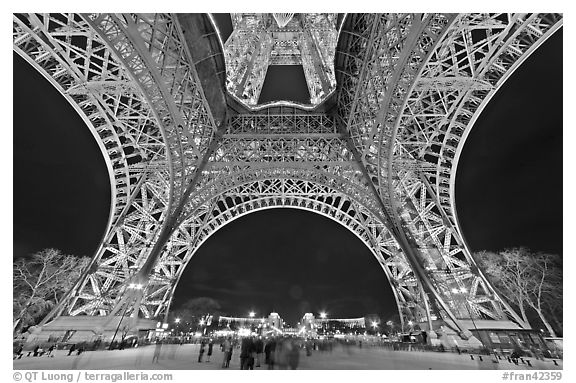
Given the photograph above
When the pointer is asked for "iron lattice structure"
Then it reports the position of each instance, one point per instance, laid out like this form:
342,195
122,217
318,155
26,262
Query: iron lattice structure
380,159
259,40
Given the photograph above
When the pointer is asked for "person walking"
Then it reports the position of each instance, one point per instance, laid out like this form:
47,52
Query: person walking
293,356
209,354
202,350
246,354
269,351
227,347
259,348
230,350
157,350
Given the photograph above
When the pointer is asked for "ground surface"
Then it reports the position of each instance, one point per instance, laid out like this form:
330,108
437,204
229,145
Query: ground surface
185,357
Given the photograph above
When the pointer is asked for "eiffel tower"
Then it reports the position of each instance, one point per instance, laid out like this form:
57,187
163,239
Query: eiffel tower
175,111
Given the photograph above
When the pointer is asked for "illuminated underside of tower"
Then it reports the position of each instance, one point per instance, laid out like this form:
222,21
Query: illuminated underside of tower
264,39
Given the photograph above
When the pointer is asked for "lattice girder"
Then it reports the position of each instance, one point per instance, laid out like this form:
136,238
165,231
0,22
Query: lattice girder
440,113
76,61
128,76
265,193
409,89
153,50
257,41
420,117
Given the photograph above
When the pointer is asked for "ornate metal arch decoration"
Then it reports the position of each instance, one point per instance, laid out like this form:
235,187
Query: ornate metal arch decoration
265,192
409,86
120,73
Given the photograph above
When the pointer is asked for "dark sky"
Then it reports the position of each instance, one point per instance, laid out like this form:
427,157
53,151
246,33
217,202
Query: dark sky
509,193
509,179
285,82
291,261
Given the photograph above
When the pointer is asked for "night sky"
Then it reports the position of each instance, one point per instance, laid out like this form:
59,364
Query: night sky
509,193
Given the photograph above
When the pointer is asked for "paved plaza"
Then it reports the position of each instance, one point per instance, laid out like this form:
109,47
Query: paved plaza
185,357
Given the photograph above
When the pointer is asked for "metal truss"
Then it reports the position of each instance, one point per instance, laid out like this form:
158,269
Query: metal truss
270,190
407,100
128,77
258,40
409,89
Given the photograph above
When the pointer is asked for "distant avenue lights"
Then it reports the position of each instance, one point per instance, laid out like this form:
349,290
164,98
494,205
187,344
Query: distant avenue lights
135,286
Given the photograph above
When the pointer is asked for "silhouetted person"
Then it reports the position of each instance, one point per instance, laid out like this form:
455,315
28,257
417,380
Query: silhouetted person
247,349
231,349
515,355
293,355
269,351
210,346
157,350
202,350
259,348
227,349
72,349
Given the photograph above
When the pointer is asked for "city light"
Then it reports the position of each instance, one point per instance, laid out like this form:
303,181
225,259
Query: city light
177,320
252,313
323,315
202,322
374,324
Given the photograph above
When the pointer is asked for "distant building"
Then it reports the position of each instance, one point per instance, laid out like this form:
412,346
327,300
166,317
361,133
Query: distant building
313,324
273,320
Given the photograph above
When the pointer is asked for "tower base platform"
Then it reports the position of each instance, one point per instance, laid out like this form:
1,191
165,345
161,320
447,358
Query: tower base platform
481,334
75,329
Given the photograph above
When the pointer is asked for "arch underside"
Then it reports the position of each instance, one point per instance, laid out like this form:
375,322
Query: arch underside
409,89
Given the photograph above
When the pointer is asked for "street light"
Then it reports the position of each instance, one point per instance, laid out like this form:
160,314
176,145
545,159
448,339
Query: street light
411,324
133,287
462,291
251,314
323,315
177,321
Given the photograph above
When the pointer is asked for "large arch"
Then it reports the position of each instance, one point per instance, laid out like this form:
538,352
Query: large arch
268,193
408,87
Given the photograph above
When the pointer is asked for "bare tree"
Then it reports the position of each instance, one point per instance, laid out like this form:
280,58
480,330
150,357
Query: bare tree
509,274
526,279
40,281
545,286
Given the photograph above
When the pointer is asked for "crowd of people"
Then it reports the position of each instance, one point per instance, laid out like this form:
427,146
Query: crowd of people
280,352
255,351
